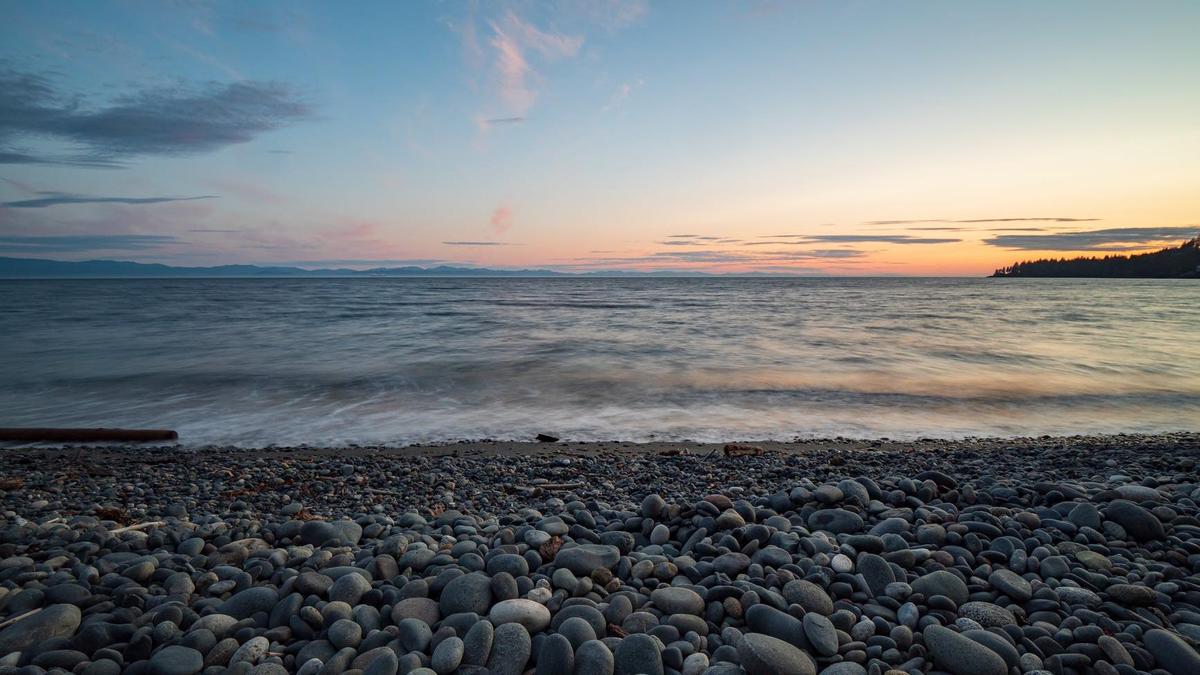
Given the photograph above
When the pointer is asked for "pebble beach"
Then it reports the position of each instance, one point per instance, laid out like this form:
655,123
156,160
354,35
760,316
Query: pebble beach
971,557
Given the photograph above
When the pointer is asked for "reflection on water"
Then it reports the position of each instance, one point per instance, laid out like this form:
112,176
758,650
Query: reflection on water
262,361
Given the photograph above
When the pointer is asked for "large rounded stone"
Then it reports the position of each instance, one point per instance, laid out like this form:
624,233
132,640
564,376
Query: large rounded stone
587,558
468,593
764,655
821,634
555,656
532,615
876,572
594,658
447,656
511,648
247,603
677,600
638,654
1011,584
944,583
477,643
987,614
1172,653
176,660
762,618
424,609
349,588
338,532
1137,521
837,521
51,622
961,655
808,595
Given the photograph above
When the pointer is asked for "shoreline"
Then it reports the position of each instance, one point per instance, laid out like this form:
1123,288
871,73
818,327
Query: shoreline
840,557
492,447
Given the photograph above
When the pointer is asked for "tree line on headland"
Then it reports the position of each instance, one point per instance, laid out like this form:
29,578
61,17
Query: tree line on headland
1180,262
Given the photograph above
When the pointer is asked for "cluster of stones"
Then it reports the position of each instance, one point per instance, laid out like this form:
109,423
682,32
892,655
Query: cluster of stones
856,574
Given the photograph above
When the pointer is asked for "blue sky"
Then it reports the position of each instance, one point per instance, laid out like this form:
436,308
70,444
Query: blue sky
587,135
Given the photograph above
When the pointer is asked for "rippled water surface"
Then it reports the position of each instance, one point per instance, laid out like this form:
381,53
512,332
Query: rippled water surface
261,361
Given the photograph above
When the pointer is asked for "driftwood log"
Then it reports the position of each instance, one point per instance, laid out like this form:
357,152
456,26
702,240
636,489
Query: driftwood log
52,435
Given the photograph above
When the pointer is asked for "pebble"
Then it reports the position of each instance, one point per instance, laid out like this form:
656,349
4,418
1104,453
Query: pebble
279,562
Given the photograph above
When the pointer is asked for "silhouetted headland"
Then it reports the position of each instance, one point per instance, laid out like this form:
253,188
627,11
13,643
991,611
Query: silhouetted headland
1180,262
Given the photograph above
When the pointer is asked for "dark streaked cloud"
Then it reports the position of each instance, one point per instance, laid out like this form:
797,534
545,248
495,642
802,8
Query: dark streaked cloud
164,121
1112,239
975,229
502,120
477,243
12,156
719,257
1022,220
57,198
858,239
363,262
213,230
84,242
981,220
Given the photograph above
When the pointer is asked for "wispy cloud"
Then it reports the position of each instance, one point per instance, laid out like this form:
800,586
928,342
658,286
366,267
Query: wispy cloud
59,198
1112,239
621,94
513,40
247,190
610,14
477,243
165,121
502,219
84,243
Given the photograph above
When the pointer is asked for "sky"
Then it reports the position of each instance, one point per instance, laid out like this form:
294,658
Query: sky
826,138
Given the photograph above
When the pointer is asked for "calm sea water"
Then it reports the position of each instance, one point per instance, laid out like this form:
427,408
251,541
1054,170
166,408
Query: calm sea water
259,361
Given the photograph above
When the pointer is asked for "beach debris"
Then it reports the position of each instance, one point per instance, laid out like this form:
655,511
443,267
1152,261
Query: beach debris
546,438
742,450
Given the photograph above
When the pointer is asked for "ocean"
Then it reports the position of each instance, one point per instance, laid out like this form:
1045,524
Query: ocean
257,362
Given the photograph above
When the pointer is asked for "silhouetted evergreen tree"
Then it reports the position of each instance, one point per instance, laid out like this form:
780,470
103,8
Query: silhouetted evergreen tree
1169,263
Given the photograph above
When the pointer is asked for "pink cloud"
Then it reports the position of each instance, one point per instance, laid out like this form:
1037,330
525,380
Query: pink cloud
512,38
502,219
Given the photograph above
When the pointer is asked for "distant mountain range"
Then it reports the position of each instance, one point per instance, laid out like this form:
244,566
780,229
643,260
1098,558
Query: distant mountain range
34,268
1179,262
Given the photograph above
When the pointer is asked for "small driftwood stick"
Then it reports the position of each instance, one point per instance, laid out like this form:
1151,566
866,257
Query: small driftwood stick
137,526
